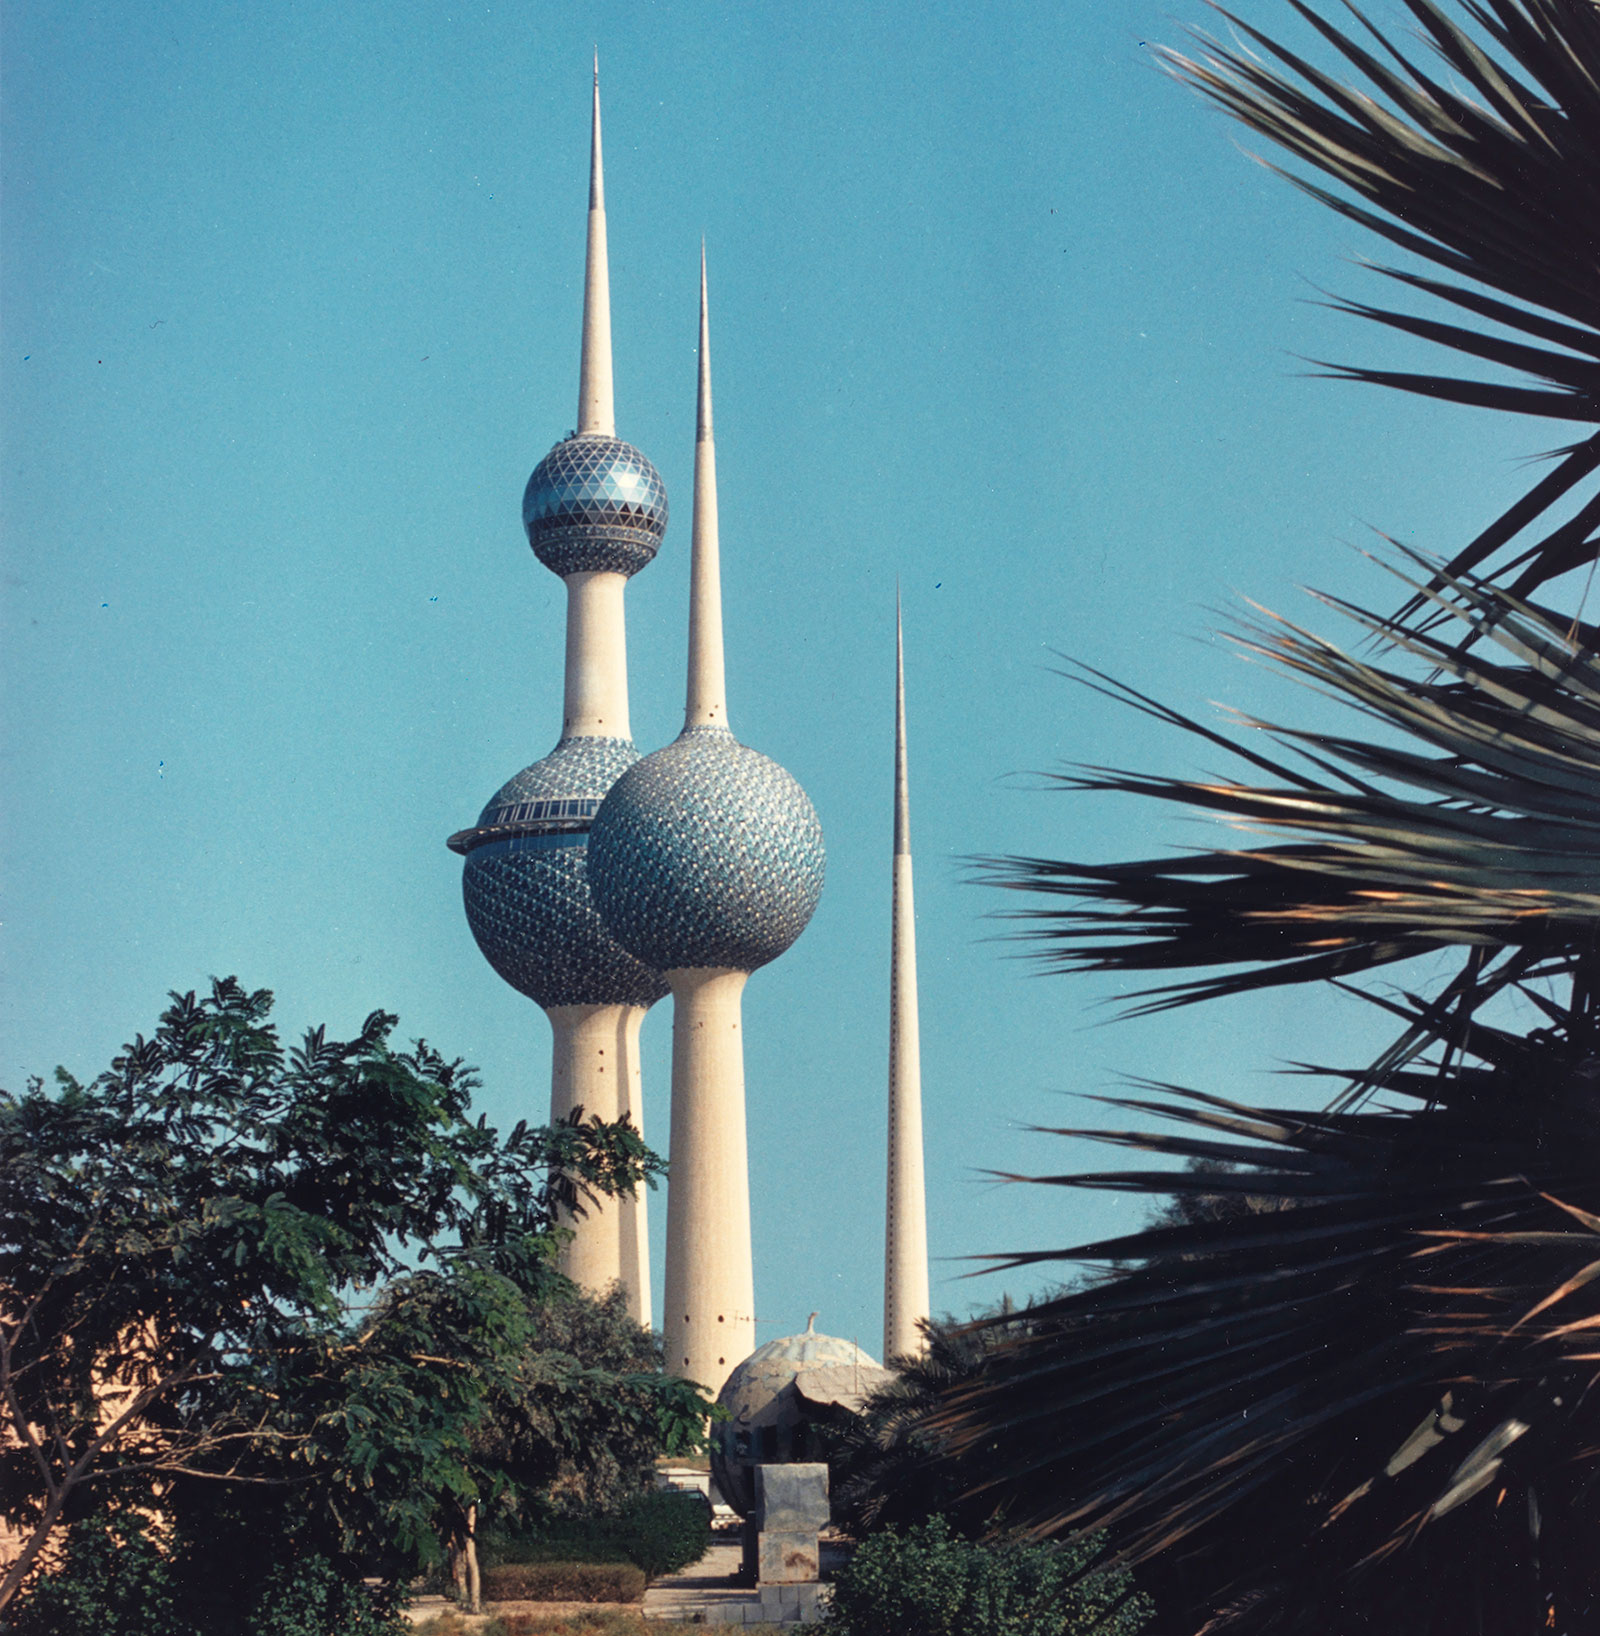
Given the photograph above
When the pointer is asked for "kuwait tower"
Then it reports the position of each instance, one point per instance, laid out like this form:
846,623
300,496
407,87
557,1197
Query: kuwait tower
706,862
594,511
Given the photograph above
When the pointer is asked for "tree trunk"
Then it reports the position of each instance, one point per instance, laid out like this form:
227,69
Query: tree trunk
474,1582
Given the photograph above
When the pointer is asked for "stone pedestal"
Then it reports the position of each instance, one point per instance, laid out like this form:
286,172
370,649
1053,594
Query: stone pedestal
780,1534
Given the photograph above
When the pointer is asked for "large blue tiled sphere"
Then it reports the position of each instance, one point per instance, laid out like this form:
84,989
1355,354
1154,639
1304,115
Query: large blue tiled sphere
526,882
706,853
594,505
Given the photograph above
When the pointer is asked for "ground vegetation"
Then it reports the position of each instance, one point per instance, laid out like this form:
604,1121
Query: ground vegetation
297,1303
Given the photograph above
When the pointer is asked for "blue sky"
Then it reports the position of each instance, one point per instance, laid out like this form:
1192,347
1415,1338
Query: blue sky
291,310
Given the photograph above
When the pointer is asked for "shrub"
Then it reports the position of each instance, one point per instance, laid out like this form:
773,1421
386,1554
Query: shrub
114,1581
564,1582
659,1531
565,1540
931,1582
310,1597
664,1531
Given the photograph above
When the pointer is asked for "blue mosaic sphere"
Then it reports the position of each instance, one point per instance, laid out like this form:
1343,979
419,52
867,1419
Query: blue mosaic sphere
594,505
706,854
526,882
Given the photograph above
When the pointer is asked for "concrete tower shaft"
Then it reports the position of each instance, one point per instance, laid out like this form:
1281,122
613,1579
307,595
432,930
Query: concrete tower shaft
905,1250
707,862
709,1302
595,511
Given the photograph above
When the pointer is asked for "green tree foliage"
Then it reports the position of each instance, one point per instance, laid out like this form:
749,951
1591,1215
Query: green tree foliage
123,1577
930,1581
235,1273
1373,1406
591,1417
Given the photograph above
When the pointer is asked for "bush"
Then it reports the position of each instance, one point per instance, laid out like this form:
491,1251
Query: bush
659,1531
565,1541
664,1531
114,1581
564,1582
931,1582
310,1597
117,1581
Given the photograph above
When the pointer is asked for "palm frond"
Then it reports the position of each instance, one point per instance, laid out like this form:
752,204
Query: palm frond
1405,1356
1471,820
1490,171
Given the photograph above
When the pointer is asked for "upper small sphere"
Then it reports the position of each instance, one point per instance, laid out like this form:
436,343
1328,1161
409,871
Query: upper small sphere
594,505
706,853
526,883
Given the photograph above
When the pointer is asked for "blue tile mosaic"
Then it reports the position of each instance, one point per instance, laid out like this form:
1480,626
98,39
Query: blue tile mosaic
706,853
594,504
526,887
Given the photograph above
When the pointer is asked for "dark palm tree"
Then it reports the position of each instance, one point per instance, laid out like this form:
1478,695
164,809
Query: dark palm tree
1378,1406
1485,164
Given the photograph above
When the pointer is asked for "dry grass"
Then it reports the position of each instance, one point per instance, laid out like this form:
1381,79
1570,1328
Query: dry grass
589,1622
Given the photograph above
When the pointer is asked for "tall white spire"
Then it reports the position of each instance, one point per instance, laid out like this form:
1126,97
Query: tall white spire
595,410
707,703
905,1257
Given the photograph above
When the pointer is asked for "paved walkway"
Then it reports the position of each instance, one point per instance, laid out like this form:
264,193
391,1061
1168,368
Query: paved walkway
704,1585
708,1592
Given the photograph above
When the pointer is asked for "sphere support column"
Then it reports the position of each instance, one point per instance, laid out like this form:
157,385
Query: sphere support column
597,658
635,1211
708,1314
595,1067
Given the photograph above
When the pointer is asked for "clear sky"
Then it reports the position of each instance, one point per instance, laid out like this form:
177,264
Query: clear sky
292,298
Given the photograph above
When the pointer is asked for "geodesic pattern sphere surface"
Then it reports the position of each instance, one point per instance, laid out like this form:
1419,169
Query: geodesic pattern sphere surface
594,505
527,892
706,853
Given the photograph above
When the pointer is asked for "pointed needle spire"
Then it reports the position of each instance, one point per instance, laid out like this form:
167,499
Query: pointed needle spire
596,413
902,797
905,1266
708,699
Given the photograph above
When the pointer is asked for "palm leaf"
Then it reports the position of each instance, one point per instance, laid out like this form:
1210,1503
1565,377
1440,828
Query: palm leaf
1402,1358
1491,173
1472,821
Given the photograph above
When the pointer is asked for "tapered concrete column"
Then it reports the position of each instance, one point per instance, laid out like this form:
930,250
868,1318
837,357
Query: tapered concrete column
635,1212
595,411
595,1066
708,1311
905,1249
707,704
597,658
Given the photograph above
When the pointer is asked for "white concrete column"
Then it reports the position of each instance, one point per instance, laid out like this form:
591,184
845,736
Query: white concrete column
635,1213
591,1066
905,1248
905,1282
708,1309
597,658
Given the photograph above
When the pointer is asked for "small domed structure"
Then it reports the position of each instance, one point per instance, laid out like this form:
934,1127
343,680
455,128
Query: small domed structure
594,505
526,882
776,1398
706,854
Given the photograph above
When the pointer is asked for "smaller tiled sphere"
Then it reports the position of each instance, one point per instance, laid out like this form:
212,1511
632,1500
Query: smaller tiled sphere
594,505
706,853
526,884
